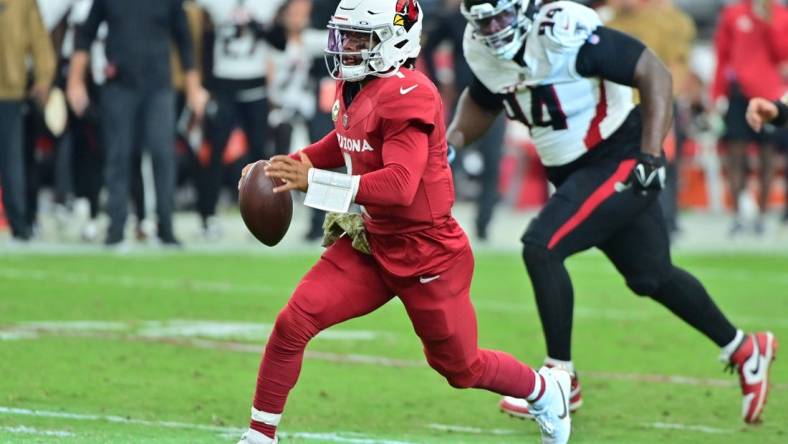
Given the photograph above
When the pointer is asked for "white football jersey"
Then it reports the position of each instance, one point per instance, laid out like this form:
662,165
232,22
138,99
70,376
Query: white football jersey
289,84
80,9
53,11
237,53
567,114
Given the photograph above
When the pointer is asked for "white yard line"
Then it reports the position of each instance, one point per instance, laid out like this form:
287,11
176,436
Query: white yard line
239,330
667,379
354,438
418,363
114,419
745,275
688,428
132,281
26,430
381,361
11,333
364,359
482,302
17,335
742,275
175,328
60,326
469,430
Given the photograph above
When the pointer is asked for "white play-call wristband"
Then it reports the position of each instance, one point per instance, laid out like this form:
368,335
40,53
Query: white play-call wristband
330,191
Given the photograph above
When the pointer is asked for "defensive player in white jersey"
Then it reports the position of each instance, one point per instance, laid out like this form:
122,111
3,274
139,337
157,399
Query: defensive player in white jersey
556,69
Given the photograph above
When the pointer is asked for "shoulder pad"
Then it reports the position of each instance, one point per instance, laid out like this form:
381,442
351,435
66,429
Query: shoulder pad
565,25
410,96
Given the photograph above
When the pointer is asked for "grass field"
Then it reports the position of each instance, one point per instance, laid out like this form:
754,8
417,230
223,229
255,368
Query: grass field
164,348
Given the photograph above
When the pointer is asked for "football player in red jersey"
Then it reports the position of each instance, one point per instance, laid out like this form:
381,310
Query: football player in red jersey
390,135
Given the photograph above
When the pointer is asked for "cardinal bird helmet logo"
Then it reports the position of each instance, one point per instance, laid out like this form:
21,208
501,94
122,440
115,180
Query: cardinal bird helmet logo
407,13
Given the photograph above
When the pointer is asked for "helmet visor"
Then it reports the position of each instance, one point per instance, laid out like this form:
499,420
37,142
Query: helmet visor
351,45
489,26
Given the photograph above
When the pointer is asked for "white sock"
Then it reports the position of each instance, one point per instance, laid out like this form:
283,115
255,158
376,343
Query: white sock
271,419
539,383
727,351
566,365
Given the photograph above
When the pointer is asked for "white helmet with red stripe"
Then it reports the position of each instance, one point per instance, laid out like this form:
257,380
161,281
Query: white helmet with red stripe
372,37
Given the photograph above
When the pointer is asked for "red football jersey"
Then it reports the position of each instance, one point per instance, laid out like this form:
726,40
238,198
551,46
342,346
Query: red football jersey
393,135
750,51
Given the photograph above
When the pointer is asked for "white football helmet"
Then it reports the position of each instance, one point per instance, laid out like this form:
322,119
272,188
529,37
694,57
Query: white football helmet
501,25
372,37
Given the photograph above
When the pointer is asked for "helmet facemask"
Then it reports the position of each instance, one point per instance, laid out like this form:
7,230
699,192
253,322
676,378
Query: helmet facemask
350,52
502,27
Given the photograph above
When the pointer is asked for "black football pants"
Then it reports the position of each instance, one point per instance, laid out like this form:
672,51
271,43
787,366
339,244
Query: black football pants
229,114
124,112
586,211
12,167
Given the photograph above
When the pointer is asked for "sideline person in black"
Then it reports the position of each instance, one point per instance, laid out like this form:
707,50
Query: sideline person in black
23,37
138,89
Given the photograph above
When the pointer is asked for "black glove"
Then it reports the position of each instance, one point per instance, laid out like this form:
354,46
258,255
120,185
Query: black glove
647,175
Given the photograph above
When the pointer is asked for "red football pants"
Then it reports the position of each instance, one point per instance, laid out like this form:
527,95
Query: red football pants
345,284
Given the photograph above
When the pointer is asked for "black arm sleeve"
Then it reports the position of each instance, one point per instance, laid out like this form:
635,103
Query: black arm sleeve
484,97
208,42
611,55
86,32
782,114
182,35
275,35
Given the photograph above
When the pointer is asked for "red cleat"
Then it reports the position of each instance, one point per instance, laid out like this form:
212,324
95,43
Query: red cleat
753,360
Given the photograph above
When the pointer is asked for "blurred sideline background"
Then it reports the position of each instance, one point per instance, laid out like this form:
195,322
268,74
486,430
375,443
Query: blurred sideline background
499,185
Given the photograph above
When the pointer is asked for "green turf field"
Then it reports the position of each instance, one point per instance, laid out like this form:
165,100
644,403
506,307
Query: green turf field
164,348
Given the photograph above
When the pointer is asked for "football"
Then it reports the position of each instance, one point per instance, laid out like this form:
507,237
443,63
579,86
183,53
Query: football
266,214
